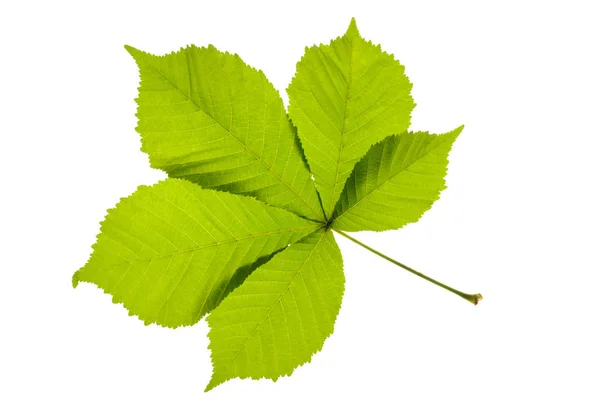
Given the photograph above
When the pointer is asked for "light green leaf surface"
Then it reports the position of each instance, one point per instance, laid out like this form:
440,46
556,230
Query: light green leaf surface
171,251
281,315
207,117
395,183
345,97
242,228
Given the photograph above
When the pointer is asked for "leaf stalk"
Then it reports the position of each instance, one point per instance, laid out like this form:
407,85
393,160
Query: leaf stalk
473,298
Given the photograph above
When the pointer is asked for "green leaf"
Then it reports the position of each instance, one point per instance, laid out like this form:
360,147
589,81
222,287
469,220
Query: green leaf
209,118
169,252
345,97
395,183
281,315
242,227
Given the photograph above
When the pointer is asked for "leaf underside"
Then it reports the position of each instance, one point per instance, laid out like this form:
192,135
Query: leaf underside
281,315
169,252
345,97
207,117
395,183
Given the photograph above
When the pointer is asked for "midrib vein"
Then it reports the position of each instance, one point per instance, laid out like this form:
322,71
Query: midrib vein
214,244
337,172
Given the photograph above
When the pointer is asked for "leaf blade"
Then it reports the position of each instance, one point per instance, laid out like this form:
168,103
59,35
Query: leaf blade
395,183
169,251
281,315
209,118
345,97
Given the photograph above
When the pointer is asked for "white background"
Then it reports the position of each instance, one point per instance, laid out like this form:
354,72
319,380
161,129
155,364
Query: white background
518,223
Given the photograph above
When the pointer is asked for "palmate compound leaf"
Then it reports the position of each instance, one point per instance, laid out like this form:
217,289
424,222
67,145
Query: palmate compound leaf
395,183
281,315
207,117
269,272
170,252
345,97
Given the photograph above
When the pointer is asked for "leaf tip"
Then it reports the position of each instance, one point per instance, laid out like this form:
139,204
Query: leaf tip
214,382
135,53
352,29
75,279
456,132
